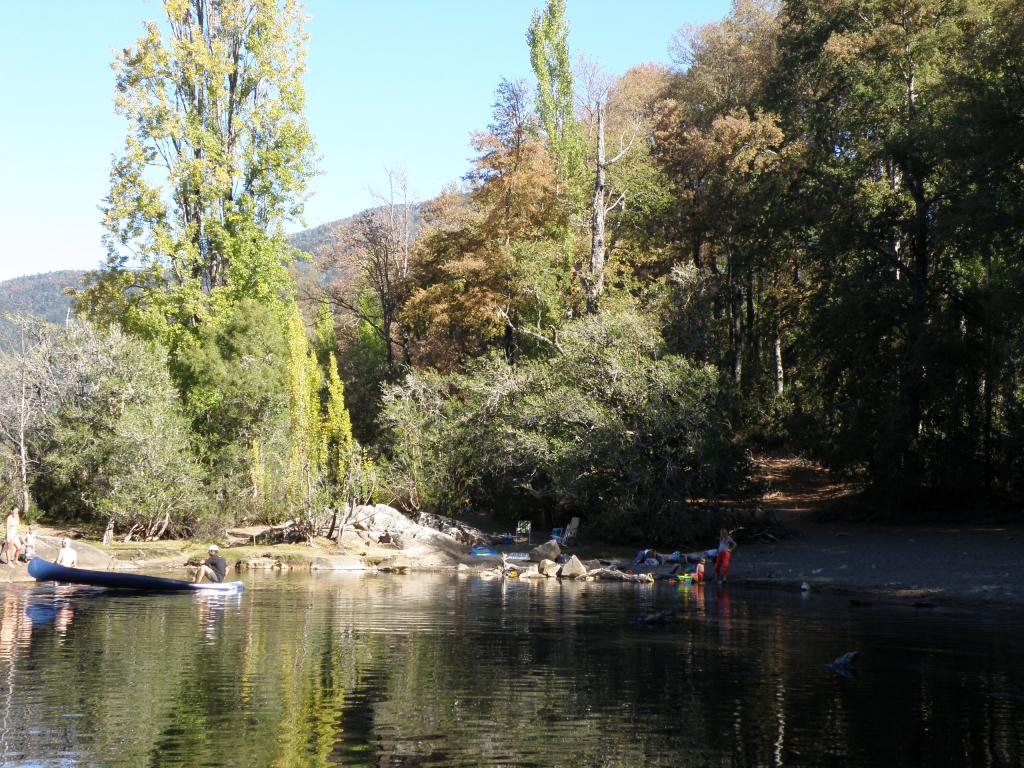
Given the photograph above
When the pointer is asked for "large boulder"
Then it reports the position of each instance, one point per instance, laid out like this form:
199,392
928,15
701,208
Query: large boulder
573,569
549,567
426,545
549,550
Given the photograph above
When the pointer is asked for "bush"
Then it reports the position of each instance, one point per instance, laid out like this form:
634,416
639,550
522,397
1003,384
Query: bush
609,428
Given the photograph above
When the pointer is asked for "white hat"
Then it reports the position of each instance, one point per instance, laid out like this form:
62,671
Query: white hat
213,548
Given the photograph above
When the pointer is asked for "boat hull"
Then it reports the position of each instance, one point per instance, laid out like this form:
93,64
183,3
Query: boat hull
43,570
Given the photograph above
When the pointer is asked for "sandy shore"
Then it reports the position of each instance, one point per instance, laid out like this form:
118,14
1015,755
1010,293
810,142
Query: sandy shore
936,563
954,563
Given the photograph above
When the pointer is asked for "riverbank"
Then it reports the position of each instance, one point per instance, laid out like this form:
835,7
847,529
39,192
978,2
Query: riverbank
934,564
920,564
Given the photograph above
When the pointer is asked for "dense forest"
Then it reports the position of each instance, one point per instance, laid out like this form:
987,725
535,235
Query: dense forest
806,234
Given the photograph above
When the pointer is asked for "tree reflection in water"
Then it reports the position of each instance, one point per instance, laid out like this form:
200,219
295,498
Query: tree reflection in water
432,669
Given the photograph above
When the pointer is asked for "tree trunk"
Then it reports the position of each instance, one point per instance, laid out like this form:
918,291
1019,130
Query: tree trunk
777,359
736,331
22,448
594,283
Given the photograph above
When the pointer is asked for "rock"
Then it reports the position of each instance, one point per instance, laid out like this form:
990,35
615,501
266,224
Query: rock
339,563
462,568
258,563
805,587
531,573
610,574
590,565
549,568
549,550
426,545
573,568
396,564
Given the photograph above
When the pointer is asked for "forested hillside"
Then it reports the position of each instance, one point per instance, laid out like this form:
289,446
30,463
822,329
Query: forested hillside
805,234
42,295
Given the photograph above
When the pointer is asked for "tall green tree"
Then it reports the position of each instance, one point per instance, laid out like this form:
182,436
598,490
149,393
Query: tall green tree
548,39
215,162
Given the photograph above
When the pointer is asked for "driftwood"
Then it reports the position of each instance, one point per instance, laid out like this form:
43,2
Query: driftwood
610,574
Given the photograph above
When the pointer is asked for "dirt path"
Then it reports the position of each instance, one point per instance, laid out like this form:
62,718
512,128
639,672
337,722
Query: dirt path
925,564
796,489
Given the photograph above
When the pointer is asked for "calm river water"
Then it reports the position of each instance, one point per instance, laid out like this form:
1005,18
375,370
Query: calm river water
442,670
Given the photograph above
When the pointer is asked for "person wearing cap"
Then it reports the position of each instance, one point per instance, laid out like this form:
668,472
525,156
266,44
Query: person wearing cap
214,567
66,555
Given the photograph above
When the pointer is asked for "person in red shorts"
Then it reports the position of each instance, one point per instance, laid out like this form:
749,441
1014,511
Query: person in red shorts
723,557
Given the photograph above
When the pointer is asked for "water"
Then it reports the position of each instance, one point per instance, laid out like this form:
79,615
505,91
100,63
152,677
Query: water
443,670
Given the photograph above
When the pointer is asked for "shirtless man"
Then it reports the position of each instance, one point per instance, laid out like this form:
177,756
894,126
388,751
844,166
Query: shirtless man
12,542
214,567
66,556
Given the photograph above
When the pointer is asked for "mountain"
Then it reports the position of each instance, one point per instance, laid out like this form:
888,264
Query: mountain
315,239
41,295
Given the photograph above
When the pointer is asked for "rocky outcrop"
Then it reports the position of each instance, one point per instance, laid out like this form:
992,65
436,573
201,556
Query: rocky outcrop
424,544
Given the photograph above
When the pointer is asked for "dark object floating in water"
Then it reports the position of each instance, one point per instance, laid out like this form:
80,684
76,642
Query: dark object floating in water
855,603
655,619
843,665
42,570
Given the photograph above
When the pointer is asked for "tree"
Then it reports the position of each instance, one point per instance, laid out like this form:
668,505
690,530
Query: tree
215,162
592,275
235,379
873,101
610,425
307,443
487,273
27,391
117,447
547,38
377,248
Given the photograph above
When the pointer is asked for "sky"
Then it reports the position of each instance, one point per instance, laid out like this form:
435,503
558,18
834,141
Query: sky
397,84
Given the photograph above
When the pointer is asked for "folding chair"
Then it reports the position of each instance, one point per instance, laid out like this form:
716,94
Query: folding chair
524,529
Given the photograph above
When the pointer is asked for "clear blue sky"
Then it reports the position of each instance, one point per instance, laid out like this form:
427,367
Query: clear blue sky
398,83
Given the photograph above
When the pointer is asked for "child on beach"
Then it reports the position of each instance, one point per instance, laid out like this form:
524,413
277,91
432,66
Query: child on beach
723,558
30,544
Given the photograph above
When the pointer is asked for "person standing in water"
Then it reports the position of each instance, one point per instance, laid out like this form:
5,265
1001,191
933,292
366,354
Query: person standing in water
12,542
723,557
214,567
66,556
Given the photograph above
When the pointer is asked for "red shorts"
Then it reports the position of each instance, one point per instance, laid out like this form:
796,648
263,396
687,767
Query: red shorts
722,564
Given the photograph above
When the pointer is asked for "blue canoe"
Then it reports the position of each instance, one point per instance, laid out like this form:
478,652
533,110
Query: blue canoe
43,570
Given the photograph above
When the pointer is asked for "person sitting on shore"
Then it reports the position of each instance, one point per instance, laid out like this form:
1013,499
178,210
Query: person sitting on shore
66,555
214,567
12,542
